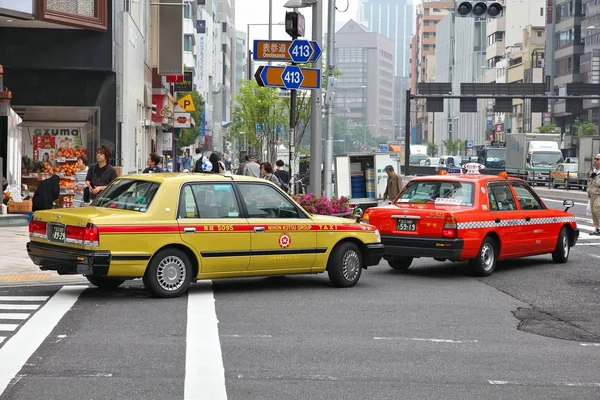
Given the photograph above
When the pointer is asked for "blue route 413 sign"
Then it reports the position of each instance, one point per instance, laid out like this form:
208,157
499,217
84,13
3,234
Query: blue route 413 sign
292,77
301,51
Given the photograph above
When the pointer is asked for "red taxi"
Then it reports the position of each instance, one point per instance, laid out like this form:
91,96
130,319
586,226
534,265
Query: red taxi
470,217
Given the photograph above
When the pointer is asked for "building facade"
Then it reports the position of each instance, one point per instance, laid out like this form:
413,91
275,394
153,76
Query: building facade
364,93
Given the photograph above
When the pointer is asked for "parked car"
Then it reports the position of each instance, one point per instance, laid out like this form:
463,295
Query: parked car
173,229
470,217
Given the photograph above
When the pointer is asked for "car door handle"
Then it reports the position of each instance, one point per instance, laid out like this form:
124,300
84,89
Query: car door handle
189,230
259,229
527,219
497,220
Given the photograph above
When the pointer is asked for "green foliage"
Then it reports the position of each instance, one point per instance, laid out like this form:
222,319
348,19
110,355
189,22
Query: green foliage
585,128
432,149
454,146
549,128
189,136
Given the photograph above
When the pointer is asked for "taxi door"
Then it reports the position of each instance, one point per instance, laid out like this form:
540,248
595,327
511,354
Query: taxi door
506,219
540,233
210,221
281,235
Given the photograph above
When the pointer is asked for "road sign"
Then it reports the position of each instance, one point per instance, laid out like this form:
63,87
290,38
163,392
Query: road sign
187,103
469,144
383,148
182,120
273,76
279,50
300,51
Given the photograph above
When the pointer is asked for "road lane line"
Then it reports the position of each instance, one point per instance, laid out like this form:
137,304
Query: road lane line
590,344
8,327
248,336
561,201
23,298
17,350
427,340
2,338
20,316
19,306
525,383
204,371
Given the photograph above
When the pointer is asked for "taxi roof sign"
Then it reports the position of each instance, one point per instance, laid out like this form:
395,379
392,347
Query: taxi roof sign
187,103
473,168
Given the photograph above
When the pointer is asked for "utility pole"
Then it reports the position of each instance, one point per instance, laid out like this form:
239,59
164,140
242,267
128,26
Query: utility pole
316,133
327,168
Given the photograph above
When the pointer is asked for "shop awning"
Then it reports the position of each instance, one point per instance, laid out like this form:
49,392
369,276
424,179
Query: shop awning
38,114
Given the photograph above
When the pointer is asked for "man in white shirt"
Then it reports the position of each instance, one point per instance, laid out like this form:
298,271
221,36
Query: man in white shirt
252,168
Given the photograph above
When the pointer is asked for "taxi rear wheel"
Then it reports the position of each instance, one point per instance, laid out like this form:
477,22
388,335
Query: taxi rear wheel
563,248
103,282
169,273
345,265
485,263
400,263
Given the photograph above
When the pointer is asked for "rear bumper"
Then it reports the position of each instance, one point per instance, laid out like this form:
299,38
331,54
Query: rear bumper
373,254
400,246
69,261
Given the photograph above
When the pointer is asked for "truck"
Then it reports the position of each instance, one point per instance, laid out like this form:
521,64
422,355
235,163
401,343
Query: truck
493,159
589,146
361,177
532,156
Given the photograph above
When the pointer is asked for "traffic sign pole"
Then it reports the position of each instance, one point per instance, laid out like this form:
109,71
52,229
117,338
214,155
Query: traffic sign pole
292,144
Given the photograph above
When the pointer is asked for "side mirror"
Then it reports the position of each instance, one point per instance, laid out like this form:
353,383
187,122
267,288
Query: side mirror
357,213
568,204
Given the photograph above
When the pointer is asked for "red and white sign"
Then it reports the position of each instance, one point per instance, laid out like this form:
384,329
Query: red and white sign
284,241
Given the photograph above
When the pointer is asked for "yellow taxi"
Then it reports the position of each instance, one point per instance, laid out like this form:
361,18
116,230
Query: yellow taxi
561,172
173,229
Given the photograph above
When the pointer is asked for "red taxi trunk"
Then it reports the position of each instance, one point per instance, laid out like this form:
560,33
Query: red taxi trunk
415,220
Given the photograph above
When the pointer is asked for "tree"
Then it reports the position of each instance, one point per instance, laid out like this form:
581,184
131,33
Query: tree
453,146
432,149
549,128
585,128
188,136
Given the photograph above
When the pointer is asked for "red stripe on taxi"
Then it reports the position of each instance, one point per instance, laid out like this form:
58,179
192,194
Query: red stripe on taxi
230,228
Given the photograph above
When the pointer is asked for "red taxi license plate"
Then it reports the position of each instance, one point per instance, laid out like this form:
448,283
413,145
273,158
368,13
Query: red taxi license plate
407,225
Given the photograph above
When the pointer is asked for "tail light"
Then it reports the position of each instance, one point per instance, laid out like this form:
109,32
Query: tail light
88,236
37,229
450,229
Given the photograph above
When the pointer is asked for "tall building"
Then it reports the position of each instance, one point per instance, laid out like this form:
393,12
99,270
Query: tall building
241,62
364,94
590,60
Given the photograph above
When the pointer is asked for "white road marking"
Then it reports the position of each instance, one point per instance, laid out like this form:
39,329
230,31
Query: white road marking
23,298
2,338
14,316
590,344
17,350
248,336
561,201
587,244
426,340
8,327
204,371
594,255
19,306
524,383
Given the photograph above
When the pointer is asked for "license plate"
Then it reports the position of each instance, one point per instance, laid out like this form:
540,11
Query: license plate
406,225
56,233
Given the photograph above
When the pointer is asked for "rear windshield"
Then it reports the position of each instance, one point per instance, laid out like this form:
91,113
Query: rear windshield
438,192
571,167
127,194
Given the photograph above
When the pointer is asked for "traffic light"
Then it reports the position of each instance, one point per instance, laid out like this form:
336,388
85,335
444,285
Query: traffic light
478,9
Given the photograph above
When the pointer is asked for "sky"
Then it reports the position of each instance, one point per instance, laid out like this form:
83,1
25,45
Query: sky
257,12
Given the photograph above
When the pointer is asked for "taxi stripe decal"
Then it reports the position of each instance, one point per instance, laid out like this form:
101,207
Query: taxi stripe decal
244,253
229,228
514,222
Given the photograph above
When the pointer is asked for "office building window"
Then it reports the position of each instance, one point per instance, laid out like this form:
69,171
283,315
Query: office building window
84,14
188,43
187,11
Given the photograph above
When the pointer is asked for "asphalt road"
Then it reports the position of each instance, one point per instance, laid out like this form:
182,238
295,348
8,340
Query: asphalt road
530,331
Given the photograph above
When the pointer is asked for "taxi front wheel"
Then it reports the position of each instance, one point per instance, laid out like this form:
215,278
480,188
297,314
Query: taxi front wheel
485,263
169,273
345,265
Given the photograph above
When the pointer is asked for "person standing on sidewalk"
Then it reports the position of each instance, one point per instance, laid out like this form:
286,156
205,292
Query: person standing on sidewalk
101,174
394,184
594,193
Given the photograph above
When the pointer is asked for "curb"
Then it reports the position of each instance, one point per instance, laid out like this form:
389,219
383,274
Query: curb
38,279
575,195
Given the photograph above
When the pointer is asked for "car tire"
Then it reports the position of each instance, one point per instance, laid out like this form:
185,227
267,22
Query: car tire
345,265
105,283
400,263
485,263
554,185
563,248
169,273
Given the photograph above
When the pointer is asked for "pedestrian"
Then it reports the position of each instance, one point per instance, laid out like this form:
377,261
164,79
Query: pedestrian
101,174
217,166
197,157
152,163
266,170
394,184
593,190
47,192
240,170
252,168
283,176
80,175
186,161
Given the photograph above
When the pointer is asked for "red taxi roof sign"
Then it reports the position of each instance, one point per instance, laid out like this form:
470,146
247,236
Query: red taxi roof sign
474,168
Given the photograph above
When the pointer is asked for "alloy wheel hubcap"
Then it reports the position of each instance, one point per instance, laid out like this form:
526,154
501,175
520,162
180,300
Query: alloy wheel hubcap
171,273
565,246
487,257
350,265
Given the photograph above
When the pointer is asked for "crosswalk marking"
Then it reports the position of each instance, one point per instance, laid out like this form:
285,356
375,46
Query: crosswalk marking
14,316
8,327
19,306
2,339
23,298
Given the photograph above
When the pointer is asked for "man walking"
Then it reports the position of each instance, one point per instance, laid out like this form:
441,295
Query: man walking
594,193
394,184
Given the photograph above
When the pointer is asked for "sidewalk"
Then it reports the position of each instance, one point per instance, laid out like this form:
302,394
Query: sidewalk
16,269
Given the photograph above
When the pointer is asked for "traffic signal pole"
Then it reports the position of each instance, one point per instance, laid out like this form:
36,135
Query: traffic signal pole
407,133
328,163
